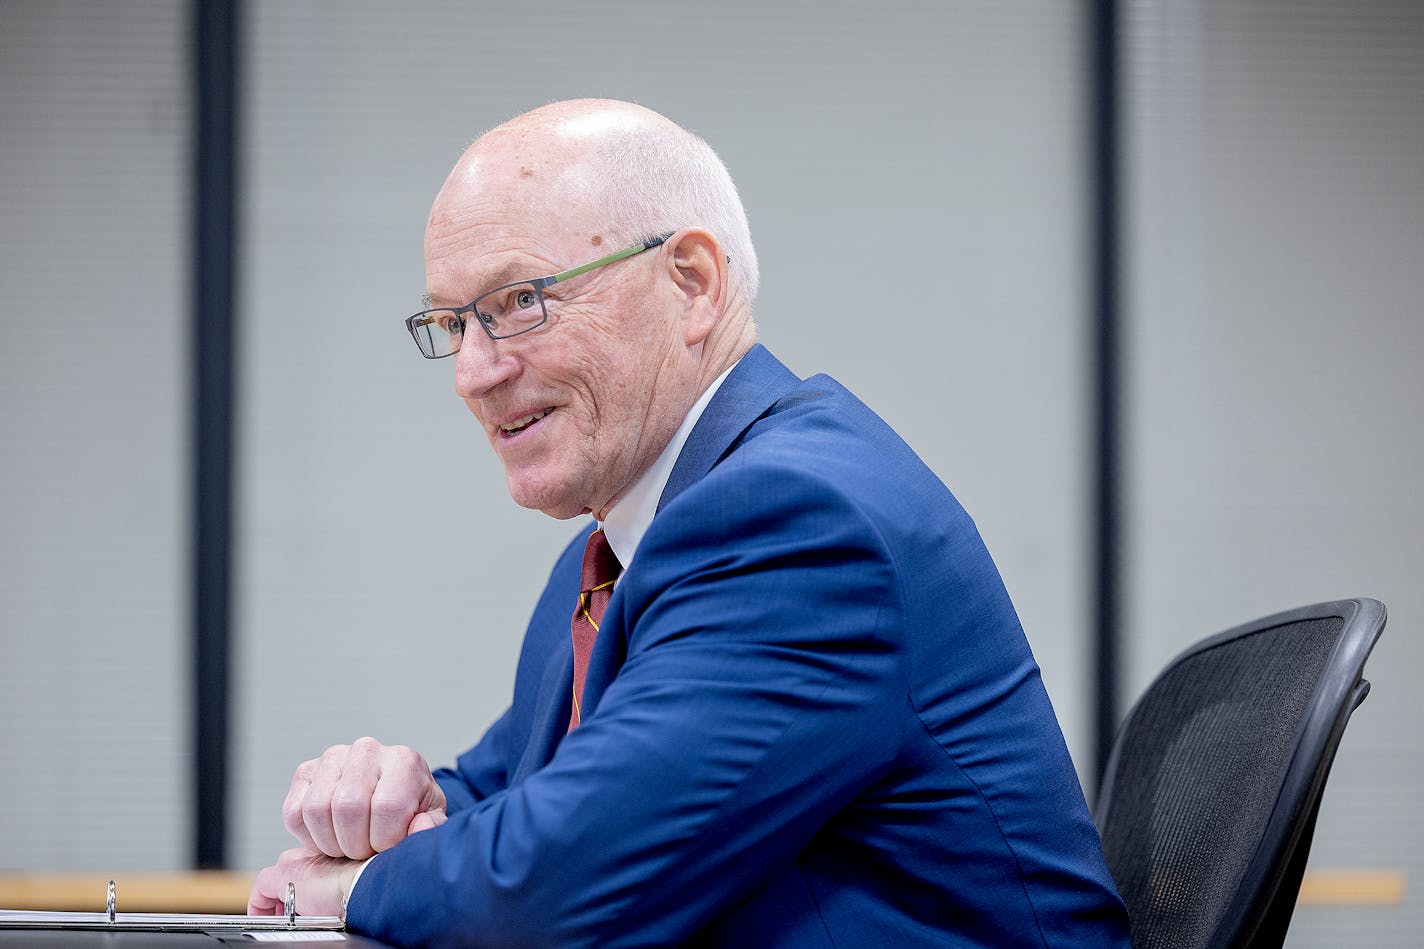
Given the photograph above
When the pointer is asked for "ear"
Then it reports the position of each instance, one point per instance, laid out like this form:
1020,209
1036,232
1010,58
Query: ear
698,269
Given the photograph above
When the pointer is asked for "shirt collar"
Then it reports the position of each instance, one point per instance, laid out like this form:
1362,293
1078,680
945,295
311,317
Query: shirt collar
630,518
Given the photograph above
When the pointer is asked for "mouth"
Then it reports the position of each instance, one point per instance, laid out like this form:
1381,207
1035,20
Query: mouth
521,425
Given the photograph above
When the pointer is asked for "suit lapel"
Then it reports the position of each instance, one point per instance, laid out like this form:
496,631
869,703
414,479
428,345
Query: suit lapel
551,714
755,385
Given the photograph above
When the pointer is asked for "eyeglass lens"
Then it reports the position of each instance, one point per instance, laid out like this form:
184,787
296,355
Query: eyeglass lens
511,310
507,311
441,335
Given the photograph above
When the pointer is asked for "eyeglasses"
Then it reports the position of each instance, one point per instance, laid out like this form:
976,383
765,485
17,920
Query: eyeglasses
504,311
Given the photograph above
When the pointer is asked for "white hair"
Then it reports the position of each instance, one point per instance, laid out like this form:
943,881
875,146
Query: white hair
653,178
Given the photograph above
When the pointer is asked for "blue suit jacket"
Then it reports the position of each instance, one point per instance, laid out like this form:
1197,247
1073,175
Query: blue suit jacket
811,718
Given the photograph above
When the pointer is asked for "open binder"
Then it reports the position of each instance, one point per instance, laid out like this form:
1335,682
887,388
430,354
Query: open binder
115,921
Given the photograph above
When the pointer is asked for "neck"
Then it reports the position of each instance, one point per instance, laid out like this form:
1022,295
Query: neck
728,342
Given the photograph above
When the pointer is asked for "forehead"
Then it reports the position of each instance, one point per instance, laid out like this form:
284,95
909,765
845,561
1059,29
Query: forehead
502,219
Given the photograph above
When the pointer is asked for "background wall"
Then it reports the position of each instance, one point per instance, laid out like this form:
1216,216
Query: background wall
1276,233
916,177
93,495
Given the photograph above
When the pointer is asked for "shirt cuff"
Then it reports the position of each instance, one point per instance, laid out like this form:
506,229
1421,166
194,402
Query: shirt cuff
346,898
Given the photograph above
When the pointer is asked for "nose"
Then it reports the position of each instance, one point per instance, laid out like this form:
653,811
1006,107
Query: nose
482,365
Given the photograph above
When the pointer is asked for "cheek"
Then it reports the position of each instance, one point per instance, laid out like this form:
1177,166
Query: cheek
612,356
595,366
620,394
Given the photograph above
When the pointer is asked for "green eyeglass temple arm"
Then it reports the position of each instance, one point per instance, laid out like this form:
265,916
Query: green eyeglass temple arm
543,282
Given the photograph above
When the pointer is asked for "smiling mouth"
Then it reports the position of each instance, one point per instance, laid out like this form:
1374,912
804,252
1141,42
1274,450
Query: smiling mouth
509,429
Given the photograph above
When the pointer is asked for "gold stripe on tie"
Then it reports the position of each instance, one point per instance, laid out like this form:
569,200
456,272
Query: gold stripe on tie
600,570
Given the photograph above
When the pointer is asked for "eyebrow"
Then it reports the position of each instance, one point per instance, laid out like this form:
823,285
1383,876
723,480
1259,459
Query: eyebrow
509,273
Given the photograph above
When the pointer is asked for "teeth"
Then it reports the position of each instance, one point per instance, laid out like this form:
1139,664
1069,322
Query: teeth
520,423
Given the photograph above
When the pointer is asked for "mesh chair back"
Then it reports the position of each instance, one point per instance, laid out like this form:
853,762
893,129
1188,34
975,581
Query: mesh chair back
1210,796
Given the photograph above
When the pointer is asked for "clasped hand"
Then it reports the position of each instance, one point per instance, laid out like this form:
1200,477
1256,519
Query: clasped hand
346,806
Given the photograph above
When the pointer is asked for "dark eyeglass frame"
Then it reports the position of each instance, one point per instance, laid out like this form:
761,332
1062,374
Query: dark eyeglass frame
424,318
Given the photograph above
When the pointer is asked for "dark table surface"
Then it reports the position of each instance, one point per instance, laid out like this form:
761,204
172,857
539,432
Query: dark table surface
105,939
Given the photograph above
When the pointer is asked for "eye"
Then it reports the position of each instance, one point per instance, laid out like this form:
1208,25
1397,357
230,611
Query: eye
525,299
452,324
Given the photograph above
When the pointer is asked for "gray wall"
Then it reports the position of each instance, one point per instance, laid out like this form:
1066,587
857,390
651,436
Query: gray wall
915,174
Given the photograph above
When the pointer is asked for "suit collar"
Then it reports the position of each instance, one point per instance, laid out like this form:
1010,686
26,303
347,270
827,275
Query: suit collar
628,520
756,383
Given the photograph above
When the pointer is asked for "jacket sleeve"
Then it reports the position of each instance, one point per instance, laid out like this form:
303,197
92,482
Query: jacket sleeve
763,689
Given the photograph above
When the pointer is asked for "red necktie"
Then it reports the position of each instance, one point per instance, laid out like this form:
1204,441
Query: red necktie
600,569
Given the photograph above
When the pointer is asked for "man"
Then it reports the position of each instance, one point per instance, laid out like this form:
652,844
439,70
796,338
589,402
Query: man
805,714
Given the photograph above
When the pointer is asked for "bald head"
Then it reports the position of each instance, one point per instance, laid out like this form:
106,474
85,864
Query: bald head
614,167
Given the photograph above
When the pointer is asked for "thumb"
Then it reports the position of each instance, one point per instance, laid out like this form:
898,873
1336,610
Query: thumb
425,820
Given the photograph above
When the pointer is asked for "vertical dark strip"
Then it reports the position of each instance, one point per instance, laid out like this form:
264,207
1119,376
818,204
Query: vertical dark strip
215,26
1107,502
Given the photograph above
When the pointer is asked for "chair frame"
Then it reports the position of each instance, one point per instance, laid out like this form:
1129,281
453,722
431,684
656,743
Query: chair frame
1266,896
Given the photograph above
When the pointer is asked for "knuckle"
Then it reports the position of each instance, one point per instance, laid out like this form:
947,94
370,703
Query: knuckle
315,808
346,807
334,753
408,758
387,808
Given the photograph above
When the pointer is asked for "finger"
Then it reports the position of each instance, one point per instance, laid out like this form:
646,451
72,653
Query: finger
316,804
257,904
434,798
351,805
292,805
426,820
261,900
403,791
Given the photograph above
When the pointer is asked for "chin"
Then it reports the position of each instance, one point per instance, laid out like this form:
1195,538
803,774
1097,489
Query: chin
556,502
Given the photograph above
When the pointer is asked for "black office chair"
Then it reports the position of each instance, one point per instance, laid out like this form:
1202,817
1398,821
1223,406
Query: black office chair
1209,802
